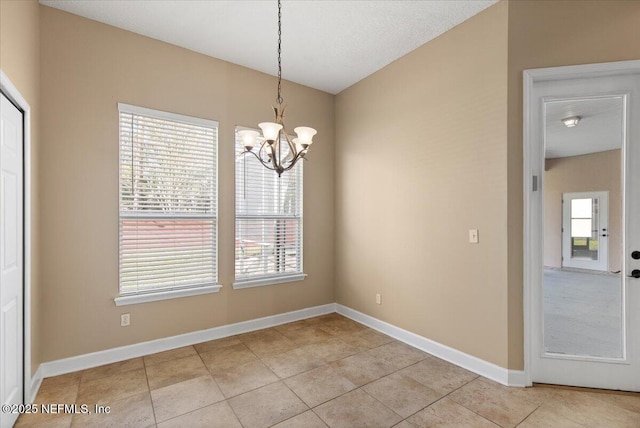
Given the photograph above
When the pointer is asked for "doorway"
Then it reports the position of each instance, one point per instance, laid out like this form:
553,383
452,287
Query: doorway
585,230
582,178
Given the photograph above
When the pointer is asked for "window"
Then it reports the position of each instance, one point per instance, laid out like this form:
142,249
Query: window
168,203
268,223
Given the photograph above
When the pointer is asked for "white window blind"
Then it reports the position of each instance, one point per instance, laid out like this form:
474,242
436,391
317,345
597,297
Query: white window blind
168,201
268,219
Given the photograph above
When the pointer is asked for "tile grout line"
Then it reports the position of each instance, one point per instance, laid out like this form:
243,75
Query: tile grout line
301,400
264,364
325,364
146,377
538,407
375,380
76,400
356,387
81,381
328,364
471,410
439,399
319,417
447,395
276,375
224,399
234,412
383,405
534,410
528,416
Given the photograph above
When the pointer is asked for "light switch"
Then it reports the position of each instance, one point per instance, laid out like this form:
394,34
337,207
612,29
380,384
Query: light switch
473,236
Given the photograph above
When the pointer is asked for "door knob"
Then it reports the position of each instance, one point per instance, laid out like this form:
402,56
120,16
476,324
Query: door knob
635,255
635,273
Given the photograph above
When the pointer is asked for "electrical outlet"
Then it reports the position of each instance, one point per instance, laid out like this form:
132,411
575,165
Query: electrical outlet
379,298
125,320
473,236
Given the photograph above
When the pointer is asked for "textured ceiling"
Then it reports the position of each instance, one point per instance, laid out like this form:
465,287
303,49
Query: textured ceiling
599,130
328,45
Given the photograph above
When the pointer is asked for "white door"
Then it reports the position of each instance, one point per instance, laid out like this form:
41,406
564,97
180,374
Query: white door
585,230
11,258
585,326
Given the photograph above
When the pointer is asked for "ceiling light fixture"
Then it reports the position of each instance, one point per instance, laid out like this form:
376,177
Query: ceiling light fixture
572,121
278,152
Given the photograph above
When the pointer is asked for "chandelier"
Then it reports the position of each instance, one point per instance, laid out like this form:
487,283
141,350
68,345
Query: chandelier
278,151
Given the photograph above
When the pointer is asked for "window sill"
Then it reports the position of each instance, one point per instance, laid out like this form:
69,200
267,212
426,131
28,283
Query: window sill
134,299
268,281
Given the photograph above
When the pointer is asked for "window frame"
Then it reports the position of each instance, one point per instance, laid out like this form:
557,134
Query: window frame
277,278
163,293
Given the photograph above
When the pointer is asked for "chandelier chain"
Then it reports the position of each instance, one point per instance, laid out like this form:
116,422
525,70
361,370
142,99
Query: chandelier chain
273,146
279,99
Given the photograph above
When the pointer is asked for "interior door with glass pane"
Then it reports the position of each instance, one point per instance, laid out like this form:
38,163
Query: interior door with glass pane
585,230
585,314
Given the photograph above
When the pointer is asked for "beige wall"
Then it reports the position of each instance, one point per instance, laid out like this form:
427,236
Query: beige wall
593,172
549,34
404,203
20,61
421,158
87,68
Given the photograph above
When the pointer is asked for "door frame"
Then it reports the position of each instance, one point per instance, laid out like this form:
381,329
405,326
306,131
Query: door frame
533,169
14,95
566,228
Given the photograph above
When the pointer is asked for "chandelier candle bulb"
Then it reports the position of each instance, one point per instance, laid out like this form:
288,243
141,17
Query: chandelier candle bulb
270,130
299,146
305,135
249,138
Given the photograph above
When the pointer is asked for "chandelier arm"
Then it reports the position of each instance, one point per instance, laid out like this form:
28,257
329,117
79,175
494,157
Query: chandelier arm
259,155
279,142
295,160
259,159
292,146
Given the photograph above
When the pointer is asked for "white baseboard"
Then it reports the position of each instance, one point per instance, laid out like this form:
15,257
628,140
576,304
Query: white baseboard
95,359
518,378
454,356
36,381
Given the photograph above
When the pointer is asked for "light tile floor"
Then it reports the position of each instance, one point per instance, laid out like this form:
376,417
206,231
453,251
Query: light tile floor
325,371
